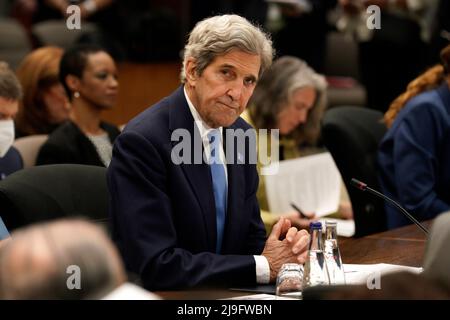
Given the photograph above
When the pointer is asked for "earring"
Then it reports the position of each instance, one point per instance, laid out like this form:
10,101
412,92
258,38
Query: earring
76,94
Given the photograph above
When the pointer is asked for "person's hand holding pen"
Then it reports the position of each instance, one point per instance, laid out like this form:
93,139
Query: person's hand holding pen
300,219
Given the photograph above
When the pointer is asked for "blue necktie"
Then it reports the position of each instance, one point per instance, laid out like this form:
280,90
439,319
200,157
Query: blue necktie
3,231
219,184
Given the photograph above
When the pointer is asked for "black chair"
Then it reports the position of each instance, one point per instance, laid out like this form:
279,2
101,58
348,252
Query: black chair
54,191
352,135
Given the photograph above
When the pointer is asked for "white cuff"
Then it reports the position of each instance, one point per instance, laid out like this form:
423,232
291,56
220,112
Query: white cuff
262,270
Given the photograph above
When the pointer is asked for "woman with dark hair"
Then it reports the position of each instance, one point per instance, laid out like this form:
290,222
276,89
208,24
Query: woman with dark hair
291,97
44,105
414,155
89,76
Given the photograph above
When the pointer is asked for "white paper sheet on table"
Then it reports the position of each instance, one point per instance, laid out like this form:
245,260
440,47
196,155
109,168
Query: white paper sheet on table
344,228
359,273
313,183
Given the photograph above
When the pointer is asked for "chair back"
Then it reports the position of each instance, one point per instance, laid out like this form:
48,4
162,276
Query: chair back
14,42
56,33
54,191
29,147
352,135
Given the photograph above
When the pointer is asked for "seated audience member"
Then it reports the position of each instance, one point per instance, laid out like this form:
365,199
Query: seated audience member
10,159
196,221
290,97
44,105
414,155
43,261
10,95
89,76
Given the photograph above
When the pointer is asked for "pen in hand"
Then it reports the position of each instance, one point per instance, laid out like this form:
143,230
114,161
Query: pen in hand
300,212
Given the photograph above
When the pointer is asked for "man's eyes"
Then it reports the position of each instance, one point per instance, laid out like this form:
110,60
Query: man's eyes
226,72
250,82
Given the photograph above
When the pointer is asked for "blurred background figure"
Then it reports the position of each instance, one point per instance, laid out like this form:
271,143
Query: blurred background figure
10,160
415,152
290,96
44,105
300,27
10,95
390,57
40,262
89,76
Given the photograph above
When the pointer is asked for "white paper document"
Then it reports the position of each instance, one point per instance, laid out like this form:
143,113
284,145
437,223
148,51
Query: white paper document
312,183
361,273
344,228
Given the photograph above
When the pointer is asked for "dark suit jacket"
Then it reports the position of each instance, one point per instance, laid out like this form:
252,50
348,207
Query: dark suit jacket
68,144
10,163
163,214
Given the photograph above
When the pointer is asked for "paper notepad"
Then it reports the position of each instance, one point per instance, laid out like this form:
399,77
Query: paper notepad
313,183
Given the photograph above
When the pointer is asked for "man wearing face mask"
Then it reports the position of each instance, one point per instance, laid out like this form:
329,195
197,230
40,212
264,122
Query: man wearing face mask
10,94
10,159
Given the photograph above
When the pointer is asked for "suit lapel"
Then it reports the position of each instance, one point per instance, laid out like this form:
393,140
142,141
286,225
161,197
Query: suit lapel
236,196
198,175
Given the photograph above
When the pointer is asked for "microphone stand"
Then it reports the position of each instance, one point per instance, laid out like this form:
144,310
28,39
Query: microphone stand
363,187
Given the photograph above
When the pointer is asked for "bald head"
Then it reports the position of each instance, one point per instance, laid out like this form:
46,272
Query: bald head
35,263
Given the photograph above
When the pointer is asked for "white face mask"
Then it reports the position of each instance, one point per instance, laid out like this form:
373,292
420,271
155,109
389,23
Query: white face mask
6,136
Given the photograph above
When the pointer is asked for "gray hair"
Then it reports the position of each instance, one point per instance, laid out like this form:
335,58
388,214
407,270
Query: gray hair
219,35
275,89
9,84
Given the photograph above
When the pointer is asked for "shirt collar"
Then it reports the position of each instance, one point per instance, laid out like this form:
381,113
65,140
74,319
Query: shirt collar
201,125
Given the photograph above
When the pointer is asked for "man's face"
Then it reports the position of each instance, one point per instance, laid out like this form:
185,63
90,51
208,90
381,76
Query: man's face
222,91
8,108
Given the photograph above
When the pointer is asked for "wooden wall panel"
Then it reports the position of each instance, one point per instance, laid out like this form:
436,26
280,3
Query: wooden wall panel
142,85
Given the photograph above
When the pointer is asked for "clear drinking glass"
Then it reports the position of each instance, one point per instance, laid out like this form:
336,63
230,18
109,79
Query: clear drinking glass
289,280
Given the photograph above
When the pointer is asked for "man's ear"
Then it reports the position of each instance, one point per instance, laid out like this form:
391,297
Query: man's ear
191,71
73,83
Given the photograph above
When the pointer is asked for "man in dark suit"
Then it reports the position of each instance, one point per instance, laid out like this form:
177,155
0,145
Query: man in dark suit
182,213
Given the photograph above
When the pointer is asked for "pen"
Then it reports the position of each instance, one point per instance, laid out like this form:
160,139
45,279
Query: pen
298,210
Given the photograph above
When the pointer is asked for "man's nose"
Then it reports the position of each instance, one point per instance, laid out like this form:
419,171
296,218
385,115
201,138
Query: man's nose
236,89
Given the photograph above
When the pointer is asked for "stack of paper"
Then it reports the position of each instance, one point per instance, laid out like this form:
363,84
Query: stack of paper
363,273
312,183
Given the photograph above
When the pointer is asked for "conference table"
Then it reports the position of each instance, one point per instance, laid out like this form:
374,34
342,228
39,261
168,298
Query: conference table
403,246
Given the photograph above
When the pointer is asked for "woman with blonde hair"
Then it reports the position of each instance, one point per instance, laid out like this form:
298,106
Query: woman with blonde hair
414,155
291,97
45,105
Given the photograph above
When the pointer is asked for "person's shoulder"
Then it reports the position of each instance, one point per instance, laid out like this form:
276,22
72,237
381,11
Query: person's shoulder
422,109
429,101
153,123
110,128
146,120
63,135
12,161
240,123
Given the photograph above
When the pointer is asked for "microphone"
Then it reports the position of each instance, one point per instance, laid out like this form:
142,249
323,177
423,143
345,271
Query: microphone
363,187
